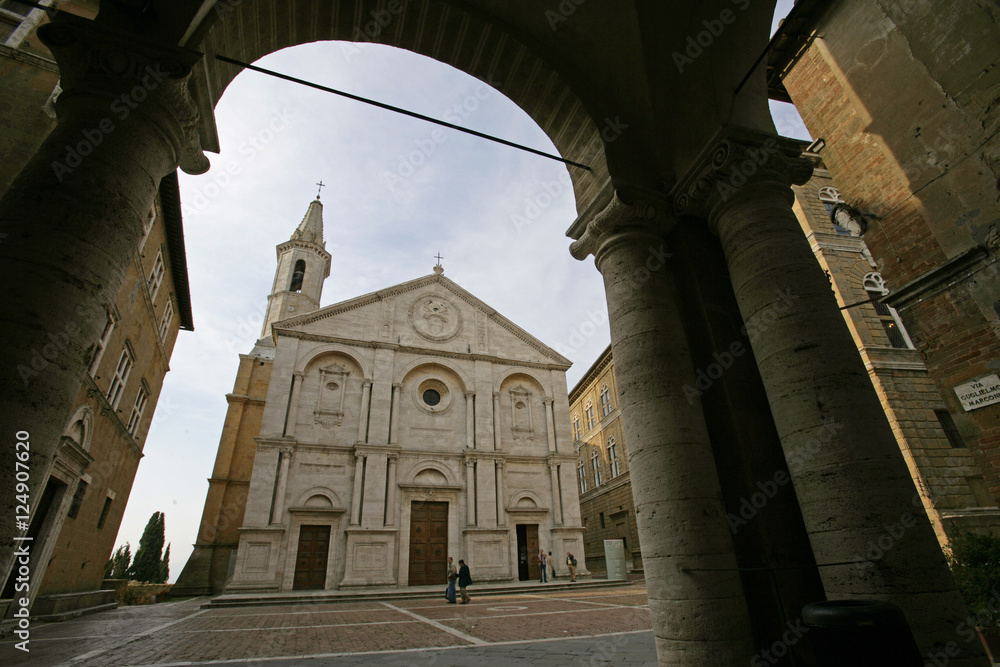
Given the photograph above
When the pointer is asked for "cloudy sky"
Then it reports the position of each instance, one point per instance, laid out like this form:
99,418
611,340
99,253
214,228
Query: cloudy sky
398,191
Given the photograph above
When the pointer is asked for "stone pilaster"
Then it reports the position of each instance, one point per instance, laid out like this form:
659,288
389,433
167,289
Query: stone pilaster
550,423
298,377
72,220
359,465
470,419
366,394
501,494
557,514
392,491
496,421
854,489
701,617
470,491
285,454
397,395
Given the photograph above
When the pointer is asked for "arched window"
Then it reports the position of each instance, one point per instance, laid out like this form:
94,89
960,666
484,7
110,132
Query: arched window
577,432
297,275
614,465
875,285
595,461
590,415
605,401
583,477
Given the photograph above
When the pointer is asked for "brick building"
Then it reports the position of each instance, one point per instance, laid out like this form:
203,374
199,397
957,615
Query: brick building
75,516
920,160
945,472
602,474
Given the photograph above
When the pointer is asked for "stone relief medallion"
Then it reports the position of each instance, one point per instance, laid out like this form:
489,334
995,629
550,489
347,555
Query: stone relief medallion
435,318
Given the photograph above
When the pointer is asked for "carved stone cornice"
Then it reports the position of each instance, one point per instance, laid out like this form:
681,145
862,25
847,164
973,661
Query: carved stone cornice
125,75
616,213
735,157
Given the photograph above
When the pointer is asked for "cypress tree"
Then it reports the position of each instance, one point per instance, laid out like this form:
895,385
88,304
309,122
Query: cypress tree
147,564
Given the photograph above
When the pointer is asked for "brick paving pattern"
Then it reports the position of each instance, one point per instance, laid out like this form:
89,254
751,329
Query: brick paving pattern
607,626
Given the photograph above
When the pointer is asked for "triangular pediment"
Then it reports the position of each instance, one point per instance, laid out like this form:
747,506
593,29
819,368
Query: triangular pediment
432,312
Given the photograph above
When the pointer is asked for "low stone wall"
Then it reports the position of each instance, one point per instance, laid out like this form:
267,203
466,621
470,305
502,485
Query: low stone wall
135,593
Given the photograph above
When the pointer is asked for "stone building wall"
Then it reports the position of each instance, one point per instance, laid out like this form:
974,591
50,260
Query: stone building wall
607,507
105,438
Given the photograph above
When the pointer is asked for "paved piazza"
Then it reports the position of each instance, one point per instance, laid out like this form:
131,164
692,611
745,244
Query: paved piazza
585,627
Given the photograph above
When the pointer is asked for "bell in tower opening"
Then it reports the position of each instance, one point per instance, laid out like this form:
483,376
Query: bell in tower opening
297,274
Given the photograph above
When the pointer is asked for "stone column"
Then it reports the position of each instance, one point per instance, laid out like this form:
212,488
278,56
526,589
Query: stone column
359,463
470,492
501,494
293,407
550,423
366,393
699,618
853,486
470,419
72,220
397,394
391,491
556,499
496,421
279,492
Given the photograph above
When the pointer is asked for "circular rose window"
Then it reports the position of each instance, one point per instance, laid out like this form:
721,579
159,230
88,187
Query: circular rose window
432,395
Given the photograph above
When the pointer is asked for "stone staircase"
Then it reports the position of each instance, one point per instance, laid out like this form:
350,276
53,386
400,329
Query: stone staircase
407,593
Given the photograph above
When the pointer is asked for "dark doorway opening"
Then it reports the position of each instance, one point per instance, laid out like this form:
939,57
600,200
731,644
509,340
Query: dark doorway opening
38,531
527,551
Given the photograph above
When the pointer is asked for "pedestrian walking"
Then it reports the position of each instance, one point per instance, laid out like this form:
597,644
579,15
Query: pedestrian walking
452,578
552,564
542,567
571,564
464,580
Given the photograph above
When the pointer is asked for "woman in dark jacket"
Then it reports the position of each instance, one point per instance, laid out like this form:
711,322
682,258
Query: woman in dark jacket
464,579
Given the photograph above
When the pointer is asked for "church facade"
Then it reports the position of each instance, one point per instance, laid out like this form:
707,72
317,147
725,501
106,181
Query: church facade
399,428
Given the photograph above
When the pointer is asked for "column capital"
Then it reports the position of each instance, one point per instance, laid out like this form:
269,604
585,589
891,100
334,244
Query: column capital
124,76
366,382
734,158
298,375
496,395
619,212
393,457
469,461
397,386
547,400
470,394
286,450
360,456
500,463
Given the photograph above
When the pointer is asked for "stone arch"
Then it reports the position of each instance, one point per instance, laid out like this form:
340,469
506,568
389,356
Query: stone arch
306,497
416,364
503,377
430,464
525,499
488,50
332,348
80,427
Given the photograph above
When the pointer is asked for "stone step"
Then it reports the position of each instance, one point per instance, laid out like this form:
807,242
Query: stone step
409,593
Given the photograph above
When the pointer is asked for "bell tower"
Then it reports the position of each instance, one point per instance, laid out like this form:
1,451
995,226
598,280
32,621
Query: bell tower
303,265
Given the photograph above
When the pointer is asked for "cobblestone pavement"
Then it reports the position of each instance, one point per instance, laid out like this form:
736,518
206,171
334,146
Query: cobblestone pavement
585,627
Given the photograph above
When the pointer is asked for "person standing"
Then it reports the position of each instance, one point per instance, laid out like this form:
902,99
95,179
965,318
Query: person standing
571,564
464,579
541,566
552,564
452,577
